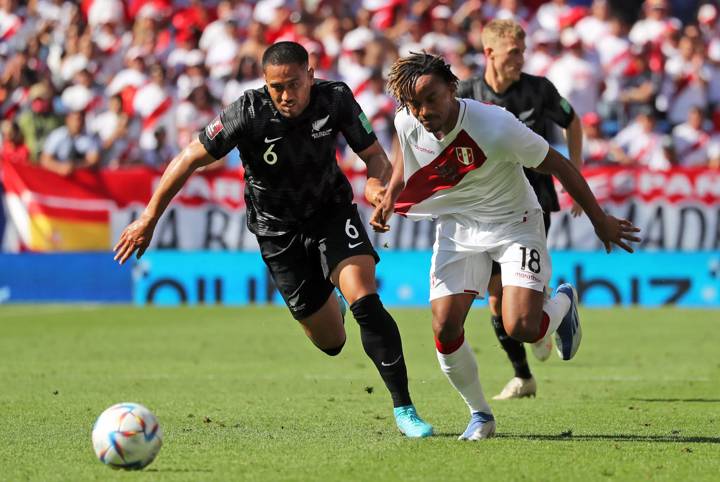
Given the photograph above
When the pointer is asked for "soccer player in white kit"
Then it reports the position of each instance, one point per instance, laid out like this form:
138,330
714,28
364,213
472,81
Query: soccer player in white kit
462,163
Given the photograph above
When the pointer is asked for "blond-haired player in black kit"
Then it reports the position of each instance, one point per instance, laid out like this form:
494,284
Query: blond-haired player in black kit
299,205
536,102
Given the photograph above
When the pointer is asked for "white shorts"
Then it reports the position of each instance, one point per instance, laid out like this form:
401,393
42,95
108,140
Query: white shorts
465,249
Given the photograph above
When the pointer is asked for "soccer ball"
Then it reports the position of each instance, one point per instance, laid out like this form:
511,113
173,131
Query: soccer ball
127,436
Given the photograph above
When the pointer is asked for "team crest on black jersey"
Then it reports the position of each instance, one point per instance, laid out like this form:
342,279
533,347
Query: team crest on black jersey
317,126
464,155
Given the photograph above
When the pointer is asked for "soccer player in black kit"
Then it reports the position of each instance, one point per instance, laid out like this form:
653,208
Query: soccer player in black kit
535,101
299,206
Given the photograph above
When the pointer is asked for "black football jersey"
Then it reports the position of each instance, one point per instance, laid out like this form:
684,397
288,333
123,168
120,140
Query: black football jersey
292,179
535,101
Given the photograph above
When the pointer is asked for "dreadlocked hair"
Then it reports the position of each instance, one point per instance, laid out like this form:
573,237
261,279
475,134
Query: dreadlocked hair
406,70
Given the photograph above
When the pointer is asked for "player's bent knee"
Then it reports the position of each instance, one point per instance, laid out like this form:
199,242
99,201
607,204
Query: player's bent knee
333,351
523,328
446,330
366,309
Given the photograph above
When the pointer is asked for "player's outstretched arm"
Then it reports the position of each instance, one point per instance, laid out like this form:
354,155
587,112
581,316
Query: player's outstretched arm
379,171
609,229
137,236
574,137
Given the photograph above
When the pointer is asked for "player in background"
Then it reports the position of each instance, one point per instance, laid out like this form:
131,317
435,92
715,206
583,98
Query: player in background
535,101
462,163
299,206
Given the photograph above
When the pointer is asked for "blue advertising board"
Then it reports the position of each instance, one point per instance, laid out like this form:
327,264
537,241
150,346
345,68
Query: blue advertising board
643,278
64,277
239,278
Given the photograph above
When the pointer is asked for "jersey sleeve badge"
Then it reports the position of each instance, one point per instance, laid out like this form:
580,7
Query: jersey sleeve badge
365,122
214,128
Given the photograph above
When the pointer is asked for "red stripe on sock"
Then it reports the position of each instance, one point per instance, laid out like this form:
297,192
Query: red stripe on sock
447,348
543,326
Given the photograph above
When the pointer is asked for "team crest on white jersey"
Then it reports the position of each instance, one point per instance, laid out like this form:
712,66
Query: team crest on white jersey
464,155
318,125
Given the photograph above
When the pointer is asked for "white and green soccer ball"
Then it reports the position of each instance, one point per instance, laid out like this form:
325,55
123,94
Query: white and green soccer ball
127,436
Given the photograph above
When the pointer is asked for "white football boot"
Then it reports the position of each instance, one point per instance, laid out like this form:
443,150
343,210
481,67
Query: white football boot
543,348
517,388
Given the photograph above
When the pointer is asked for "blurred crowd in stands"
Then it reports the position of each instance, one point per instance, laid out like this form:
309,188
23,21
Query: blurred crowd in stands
110,83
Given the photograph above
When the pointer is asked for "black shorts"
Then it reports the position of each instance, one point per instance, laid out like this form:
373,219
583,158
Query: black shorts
300,263
546,221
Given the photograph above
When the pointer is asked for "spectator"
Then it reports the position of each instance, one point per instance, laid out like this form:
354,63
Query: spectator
639,85
379,108
543,55
39,120
441,39
595,26
574,76
249,76
707,17
194,113
691,140
114,130
549,14
614,54
254,44
70,147
686,80
640,144
596,147
513,10
153,103
713,64
351,64
133,75
13,147
162,153
656,24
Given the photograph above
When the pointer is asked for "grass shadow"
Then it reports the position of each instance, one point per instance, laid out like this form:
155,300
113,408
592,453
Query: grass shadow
564,437
205,471
671,400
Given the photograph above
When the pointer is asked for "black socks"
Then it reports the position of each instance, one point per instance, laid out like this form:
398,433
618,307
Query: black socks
514,349
381,341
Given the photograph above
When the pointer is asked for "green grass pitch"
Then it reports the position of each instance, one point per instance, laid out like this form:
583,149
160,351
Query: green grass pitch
242,395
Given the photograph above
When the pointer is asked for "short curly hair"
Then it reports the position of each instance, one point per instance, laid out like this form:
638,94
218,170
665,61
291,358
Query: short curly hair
405,72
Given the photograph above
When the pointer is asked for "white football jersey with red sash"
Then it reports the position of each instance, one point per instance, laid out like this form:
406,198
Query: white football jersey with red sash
475,170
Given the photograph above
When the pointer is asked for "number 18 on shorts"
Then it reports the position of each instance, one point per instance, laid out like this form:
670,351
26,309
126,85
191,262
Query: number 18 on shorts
464,251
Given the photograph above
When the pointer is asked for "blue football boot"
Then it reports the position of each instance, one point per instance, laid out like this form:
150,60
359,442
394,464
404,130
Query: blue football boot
481,426
410,423
568,334
341,303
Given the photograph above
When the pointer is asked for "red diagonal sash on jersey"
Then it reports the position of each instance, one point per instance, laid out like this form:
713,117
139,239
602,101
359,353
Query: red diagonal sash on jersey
444,172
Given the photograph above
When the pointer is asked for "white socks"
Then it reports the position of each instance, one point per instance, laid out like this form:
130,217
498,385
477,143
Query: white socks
556,308
461,369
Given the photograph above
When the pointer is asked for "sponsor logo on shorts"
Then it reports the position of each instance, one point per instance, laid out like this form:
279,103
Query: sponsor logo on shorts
528,276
